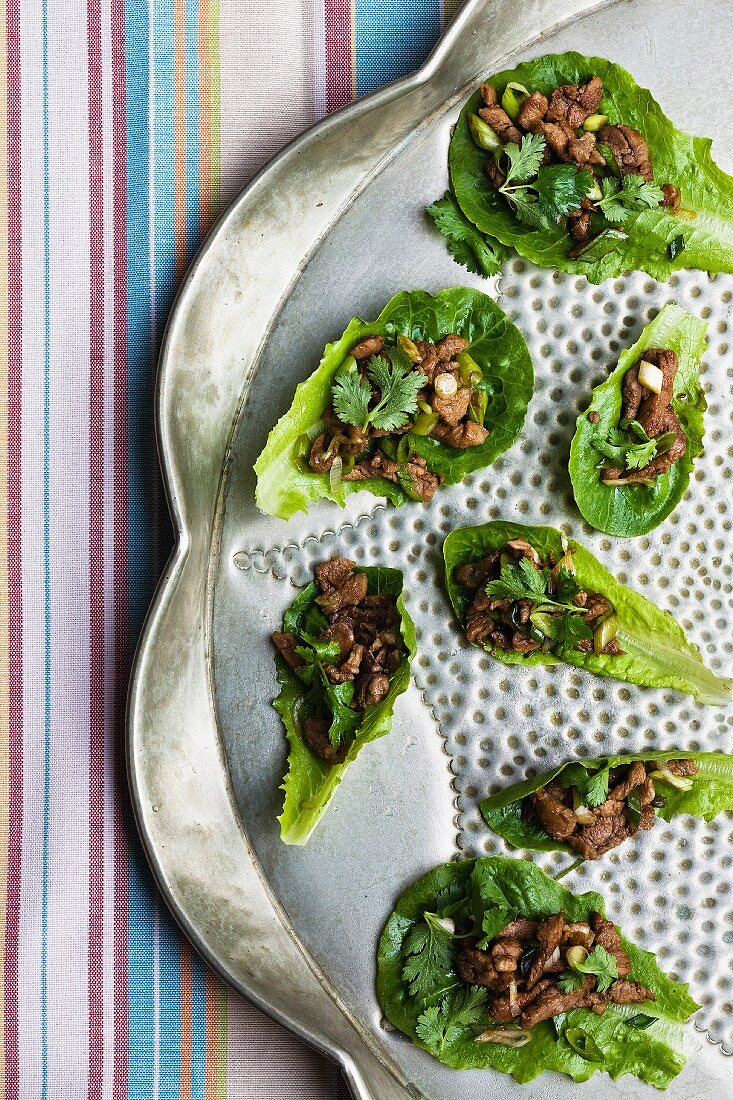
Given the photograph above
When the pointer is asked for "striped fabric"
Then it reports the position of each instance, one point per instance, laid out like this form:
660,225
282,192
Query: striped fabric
128,124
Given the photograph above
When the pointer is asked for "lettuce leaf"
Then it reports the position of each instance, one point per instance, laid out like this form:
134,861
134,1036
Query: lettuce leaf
711,794
656,651
285,483
677,158
654,1056
310,782
635,509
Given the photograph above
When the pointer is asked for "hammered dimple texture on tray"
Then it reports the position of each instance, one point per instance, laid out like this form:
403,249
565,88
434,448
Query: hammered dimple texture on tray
670,889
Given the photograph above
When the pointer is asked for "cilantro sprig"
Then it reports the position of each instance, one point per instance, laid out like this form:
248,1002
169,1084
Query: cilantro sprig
458,1013
623,198
540,196
469,247
398,385
600,963
619,448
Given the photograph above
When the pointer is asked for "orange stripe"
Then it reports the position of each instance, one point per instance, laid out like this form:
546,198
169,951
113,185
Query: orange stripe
179,132
186,1020
205,107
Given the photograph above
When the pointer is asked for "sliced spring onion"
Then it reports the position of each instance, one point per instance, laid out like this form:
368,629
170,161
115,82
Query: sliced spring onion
479,404
576,956
605,632
634,807
642,1021
582,1044
595,192
594,123
650,377
424,423
513,98
676,246
409,347
584,816
468,368
335,473
505,1036
681,782
483,135
446,385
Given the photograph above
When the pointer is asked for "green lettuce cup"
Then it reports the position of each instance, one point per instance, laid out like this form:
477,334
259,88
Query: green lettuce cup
657,239
285,482
423,995
635,509
653,648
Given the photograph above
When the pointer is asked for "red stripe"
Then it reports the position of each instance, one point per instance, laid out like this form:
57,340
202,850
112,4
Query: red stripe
95,975
15,580
339,56
121,638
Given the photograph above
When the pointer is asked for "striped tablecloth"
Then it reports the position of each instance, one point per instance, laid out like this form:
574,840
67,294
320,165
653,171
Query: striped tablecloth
128,124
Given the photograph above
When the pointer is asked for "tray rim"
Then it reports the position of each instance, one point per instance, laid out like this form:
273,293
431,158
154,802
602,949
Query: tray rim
184,538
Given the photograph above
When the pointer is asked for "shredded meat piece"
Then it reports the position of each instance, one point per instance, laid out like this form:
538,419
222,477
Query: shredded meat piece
506,1008
495,174
521,928
340,586
522,643
506,953
285,645
452,409
593,841
557,819
672,196
549,935
348,669
526,550
466,434
322,454
583,151
342,633
475,575
315,735
629,993
450,346
635,776
488,94
370,345
501,124
551,1002
424,483
370,690
630,150
680,767
579,222
476,967
654,405
532,112
574,103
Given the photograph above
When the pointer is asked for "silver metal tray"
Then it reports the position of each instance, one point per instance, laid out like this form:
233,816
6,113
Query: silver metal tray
333,227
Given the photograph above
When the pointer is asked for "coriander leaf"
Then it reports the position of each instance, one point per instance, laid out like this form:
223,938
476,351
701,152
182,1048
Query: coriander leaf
315,649
494,920
640,455
457,1013
570,629
560,188
351,395
429,966
569,982
567,587
449,900
398,388
595,791
528,210
525,159
519,582
472,249
344,720
624,198
602,964
635,427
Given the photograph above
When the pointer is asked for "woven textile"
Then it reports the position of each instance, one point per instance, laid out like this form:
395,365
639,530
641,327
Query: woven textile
126,125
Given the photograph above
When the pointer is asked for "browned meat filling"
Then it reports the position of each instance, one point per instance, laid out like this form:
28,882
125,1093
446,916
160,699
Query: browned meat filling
451,407
653,413
530,968
561,120
628,808
366,630
555,613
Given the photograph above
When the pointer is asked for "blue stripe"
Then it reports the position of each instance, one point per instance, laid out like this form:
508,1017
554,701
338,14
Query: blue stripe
193,159
46,567
145,530
392,37
141,904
